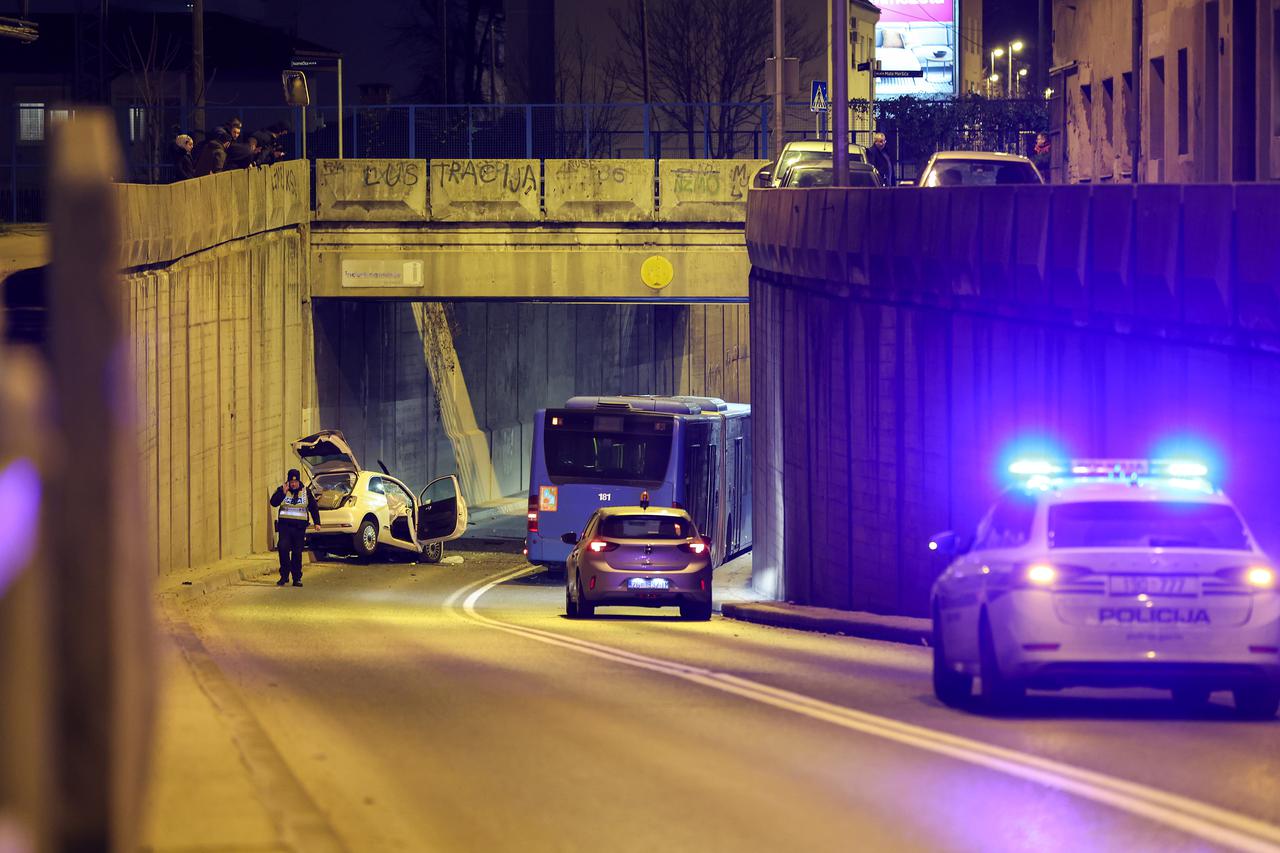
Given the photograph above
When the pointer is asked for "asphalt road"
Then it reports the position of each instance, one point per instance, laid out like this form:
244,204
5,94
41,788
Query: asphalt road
413,707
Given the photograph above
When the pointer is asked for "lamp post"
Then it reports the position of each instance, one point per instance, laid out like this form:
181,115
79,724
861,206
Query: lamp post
1017,83
1014,47
994,77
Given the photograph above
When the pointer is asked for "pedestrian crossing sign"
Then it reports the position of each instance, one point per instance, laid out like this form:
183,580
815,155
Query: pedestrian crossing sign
818,101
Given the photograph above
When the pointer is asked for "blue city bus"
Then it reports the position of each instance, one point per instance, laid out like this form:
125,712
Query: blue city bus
690,452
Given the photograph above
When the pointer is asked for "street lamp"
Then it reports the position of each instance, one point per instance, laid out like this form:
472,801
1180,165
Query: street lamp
992,82
1017,84
995,54
1014,47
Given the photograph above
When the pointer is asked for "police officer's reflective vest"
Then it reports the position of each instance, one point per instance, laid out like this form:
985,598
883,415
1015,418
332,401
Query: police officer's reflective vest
294,506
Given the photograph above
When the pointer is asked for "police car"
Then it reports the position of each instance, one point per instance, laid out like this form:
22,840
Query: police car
1108,573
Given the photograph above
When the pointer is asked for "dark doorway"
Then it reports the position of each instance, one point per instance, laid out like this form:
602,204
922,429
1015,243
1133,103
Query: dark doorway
1244,90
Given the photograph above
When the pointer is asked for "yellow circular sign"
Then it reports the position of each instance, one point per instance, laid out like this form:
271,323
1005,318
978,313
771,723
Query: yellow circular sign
656,272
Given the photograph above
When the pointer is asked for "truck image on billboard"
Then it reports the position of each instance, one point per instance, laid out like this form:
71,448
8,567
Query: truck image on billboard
917,48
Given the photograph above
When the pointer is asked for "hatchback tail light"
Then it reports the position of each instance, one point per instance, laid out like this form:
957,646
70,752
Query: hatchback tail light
599,547
695,547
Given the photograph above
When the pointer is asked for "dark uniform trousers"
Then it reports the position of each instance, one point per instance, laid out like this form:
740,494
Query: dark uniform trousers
290,548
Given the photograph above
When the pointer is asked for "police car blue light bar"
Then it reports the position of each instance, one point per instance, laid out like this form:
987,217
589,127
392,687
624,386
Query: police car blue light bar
1183,469
1034,467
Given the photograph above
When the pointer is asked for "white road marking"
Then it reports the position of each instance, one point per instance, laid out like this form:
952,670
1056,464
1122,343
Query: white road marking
1209,822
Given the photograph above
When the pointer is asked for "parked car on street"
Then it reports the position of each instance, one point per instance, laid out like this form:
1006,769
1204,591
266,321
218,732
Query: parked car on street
638,556
978,169
1108,573
802,151
819,174
362,511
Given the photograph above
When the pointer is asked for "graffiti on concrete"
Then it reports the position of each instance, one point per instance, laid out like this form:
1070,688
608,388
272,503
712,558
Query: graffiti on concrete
511,177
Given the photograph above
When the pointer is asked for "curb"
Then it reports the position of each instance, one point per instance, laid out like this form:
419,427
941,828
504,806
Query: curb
184,586
872,626
488,511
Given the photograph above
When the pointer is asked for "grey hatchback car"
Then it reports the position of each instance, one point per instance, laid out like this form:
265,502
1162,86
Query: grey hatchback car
638,557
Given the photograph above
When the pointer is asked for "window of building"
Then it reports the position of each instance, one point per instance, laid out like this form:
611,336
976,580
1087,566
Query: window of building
1156,108
1108,109
31,122
1130,109
1183,105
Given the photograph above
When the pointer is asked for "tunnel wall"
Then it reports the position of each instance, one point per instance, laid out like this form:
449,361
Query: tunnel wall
221,356
373,382
939,332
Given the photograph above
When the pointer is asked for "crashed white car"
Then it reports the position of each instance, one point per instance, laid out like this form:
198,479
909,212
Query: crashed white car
363,511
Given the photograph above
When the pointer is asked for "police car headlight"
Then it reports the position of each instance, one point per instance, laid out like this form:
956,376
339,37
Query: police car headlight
1260,577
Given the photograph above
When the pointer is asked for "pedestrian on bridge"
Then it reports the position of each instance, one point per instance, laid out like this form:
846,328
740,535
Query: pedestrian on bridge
878,156
294,506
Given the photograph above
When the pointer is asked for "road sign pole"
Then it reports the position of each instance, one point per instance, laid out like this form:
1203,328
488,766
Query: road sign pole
840,93
779,84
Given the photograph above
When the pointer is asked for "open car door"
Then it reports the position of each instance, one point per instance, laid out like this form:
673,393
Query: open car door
442,511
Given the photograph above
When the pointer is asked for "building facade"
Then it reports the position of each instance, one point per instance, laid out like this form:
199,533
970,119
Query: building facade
1173,91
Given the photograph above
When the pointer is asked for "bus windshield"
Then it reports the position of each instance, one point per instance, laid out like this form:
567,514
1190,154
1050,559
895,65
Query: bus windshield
607,458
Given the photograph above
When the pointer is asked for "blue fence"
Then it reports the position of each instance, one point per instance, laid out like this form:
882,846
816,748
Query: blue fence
534,131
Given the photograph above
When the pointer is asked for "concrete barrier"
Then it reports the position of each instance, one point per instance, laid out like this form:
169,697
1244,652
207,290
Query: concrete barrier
1257,258
485,191
1156,249
1207,217
372,190
1068,242
995,241
705,190
1030,245
599,190
1110,283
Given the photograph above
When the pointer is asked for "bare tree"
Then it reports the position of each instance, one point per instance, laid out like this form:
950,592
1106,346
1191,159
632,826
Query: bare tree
706,63
458,48
589,118
149,64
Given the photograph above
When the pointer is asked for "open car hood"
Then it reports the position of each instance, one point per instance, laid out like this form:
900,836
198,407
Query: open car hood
326,452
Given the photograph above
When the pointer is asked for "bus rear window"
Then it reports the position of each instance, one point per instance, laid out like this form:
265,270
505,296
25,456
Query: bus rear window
612,458
645,527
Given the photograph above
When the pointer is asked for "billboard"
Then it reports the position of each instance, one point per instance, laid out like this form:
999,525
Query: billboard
916,44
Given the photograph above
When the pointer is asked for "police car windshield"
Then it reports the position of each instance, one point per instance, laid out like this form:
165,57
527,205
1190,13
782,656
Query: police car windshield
645,527
1140,524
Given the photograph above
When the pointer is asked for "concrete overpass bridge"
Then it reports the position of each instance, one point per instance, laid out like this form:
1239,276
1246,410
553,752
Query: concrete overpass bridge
427,309
530,230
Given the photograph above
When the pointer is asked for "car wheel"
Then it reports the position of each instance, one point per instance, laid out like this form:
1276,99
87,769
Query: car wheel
1190,697
999,694
570,606
952,688
365,541
585,608
433,553
1257,703
696,611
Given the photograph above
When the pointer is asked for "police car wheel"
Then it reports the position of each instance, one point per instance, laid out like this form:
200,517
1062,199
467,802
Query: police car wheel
998,692
365,541
1257,703
433,553
952,688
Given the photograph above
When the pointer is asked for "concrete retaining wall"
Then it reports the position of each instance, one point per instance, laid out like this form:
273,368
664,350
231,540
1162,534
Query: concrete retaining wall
222,355
513,358
371,190
705,190
937,331
486,190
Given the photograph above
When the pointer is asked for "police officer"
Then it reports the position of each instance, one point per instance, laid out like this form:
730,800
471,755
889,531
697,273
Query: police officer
295,505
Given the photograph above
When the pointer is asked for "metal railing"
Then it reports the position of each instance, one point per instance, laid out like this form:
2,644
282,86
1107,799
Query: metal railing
538,131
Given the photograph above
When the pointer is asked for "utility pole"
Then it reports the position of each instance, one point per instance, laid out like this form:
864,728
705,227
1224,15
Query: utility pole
840,92
197,63
779,85
644,47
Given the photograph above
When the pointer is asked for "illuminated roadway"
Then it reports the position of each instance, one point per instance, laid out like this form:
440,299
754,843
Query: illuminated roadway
398,707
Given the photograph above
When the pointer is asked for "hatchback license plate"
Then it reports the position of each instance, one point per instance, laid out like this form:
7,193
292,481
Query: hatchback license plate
1153,585
648,583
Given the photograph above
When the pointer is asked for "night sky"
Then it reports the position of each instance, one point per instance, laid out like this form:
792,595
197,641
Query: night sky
1006,20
